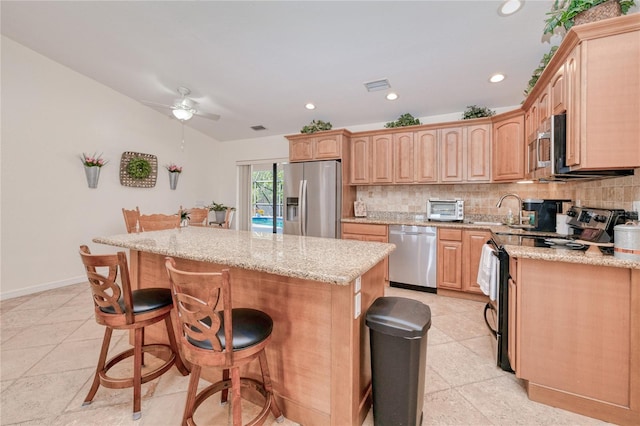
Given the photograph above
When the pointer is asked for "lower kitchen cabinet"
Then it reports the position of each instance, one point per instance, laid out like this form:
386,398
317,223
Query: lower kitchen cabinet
449,255
368,232
453,273
576,330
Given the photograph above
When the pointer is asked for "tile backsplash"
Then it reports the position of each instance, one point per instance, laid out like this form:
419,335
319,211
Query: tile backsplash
481,199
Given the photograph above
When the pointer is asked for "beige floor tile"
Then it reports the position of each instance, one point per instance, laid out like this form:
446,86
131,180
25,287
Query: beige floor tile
47,300
90,329
69,313
459,365
435,336
111,415
483,346
504,402
17,318
8,333
68,356
17,362
40,397
460,326
41,335
448,407
433,381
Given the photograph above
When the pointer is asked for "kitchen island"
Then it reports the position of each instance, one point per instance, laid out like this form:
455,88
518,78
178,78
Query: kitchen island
315,289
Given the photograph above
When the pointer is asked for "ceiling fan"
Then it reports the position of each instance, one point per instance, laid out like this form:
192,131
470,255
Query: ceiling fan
184,108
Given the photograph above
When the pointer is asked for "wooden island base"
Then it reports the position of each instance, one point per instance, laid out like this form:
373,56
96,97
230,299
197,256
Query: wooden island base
319,353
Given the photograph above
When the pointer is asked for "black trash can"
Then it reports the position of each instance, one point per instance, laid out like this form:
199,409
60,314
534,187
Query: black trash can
398,333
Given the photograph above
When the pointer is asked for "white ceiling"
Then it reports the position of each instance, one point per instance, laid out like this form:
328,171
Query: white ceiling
260,62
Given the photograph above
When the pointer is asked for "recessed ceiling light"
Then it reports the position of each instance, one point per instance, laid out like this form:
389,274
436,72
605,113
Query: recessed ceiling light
497,78
509,7
392,96
310,106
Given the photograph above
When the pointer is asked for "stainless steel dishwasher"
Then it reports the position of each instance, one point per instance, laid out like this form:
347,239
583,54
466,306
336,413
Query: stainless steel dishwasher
413,263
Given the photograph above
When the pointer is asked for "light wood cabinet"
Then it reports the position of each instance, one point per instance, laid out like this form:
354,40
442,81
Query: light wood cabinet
512,333
368,232
426,156
544,107
508,147
360,160
452,154
473,242
576,339
478,153
382,158
326,145
449,259
404,158
557,92
594,77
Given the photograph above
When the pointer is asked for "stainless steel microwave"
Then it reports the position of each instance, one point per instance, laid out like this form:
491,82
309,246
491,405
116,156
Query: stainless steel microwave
547,153
445,210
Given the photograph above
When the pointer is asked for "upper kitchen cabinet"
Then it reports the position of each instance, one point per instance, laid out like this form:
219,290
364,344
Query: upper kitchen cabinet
508,146
382,158
360,160
594,77
327,145
478,153
452,154
404,154
465,154
425,143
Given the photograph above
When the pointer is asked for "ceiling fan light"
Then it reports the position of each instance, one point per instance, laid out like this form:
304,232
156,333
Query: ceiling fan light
182,114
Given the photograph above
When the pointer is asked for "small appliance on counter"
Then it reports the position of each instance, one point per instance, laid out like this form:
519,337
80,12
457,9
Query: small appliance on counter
445,210
542,213
627,241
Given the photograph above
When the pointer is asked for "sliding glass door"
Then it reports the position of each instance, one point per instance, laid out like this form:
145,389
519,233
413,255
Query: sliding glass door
266,197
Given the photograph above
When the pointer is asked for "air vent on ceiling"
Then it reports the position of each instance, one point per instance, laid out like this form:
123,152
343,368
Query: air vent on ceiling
376,85
258,128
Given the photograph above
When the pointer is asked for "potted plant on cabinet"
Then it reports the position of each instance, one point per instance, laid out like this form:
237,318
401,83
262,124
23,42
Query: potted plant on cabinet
567,13
316,126
220,211
474,111
402,121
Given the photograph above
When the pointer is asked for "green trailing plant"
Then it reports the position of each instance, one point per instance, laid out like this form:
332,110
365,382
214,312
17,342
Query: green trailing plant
184,215
563,12
316,126
402,121
538,71
474,111
139,168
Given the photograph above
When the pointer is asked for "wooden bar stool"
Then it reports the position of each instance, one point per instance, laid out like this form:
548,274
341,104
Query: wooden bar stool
131,219
207,324
158,221
119,308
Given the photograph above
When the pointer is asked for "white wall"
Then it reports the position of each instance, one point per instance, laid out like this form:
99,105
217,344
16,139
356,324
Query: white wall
51,115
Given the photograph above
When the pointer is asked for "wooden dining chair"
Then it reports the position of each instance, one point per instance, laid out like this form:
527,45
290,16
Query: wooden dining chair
131,219
228,218
199,217
156,222
214,334
117,307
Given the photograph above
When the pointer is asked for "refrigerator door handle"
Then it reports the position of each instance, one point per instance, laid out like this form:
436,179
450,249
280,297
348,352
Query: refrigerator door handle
302,196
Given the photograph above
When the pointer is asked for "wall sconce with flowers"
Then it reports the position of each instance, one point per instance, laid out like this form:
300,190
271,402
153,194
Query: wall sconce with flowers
92,165
174,174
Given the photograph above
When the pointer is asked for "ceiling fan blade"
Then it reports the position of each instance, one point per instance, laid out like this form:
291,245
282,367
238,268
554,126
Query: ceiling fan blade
155,104
208,115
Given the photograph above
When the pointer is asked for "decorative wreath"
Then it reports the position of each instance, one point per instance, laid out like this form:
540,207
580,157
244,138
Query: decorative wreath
139,168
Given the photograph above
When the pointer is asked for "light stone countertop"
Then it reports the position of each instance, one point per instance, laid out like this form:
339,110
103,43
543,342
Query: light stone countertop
327,260
525,252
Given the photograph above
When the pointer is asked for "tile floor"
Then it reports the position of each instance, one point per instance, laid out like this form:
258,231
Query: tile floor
50,343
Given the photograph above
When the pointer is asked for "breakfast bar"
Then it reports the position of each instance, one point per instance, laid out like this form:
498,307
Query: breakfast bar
317,291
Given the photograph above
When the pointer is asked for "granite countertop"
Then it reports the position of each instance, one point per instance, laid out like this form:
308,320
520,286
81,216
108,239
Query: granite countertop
525,252
327,260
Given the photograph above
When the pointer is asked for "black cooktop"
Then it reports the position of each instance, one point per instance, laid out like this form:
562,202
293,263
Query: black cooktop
560,242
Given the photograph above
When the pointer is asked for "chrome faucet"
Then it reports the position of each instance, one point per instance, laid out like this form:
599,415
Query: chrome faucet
519,205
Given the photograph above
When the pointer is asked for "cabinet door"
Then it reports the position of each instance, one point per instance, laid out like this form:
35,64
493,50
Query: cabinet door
403,167
572,98
557,92
543,106
472,243
382,156
478,152
426,156
512,333
301,150
452,154
449,271
328,147
360,161
508,149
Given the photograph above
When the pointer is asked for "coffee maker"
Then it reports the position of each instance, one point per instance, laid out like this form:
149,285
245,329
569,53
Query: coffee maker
542,213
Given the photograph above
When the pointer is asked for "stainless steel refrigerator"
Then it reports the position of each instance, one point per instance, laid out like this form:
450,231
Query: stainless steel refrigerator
312,197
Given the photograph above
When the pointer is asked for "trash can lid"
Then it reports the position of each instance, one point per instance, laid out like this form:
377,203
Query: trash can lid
399,316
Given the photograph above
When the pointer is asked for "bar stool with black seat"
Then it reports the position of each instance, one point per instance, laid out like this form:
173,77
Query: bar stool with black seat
119,308
208,322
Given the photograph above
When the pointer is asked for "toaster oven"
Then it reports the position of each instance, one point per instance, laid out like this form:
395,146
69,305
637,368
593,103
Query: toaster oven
445,210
